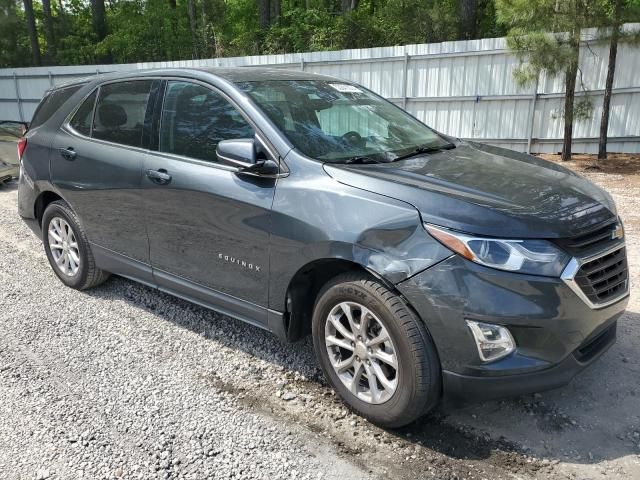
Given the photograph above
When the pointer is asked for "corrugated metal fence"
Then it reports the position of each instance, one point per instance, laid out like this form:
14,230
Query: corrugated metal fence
464,88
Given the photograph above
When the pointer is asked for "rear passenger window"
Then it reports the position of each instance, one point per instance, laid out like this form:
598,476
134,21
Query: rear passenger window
81,121
51,103
195,119
120,112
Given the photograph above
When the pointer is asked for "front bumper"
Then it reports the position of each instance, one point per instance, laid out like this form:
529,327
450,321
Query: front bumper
557,334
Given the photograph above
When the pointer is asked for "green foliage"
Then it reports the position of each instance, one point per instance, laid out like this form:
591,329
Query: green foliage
545,33
155,30
14,44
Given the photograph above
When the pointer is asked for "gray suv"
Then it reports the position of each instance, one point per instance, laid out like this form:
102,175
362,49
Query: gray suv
424,267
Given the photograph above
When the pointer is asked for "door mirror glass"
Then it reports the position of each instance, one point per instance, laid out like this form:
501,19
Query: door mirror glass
239,152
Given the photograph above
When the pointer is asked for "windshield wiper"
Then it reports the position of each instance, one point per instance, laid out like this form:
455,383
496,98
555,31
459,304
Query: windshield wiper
363,159
424,149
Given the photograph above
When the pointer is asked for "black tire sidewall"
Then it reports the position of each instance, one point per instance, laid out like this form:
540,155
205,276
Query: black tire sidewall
57,209
396,411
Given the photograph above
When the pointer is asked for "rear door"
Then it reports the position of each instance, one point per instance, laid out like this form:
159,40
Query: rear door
96,164
208,227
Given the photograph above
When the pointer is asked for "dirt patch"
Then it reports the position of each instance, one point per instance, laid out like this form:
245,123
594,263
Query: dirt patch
432,448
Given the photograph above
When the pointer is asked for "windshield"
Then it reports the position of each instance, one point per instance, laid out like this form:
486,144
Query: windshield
338,122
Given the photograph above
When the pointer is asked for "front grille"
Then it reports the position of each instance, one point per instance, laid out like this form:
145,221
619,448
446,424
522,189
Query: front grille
604,278
594,240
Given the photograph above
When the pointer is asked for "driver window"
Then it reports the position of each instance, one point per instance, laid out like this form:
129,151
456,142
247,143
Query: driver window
195,119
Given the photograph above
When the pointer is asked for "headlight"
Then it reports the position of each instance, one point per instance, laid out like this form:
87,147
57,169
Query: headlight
535,257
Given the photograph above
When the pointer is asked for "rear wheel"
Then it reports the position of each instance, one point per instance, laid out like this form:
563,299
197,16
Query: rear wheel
375,352
68,249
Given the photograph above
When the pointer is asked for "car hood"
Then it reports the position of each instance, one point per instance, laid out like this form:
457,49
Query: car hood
487,190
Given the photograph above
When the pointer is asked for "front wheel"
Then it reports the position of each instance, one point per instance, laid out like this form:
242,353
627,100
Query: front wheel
375,352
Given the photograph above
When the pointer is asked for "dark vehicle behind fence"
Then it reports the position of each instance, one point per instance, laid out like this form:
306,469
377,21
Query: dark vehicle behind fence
422,265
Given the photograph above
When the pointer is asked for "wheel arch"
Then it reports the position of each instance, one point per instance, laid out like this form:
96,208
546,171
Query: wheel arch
43,200
304,287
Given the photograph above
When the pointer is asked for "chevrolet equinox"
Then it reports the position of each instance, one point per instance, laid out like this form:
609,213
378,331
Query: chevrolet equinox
424,266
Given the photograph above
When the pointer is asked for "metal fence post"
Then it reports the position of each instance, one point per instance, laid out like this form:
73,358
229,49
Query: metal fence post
18,99
405,79
532,114
301,63
50,79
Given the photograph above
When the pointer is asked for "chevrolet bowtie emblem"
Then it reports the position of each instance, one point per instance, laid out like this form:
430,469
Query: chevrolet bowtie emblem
617,233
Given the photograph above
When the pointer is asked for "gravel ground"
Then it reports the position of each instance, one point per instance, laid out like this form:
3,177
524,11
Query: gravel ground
126,382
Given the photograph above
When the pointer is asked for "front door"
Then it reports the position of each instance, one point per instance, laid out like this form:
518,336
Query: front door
208,227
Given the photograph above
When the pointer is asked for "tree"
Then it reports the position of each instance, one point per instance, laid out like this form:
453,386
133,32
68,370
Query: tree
545,34
616,11
264,12
14,41
48,31
33,32
468,19
191,9
349,5
99,21
98,16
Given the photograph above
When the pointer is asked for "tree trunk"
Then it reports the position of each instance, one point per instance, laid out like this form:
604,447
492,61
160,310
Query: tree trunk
275,10
571,73
611,71
100,25
33,33
570,92
468,19
349,5
48,31
191,11
264,11
99,22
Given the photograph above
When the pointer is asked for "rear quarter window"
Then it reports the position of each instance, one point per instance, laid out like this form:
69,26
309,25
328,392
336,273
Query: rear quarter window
51,103
81,121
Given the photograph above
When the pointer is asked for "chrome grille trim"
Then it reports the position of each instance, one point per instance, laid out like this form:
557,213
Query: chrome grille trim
573,267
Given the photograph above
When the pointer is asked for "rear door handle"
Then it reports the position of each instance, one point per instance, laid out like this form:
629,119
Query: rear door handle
68,153
161,177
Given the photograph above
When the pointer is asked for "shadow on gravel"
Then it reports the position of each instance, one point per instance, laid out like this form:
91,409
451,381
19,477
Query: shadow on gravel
494,430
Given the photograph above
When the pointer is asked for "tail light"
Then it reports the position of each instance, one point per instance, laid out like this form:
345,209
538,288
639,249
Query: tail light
22,144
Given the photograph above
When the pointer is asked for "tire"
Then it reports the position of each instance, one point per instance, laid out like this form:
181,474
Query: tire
417,377
86,275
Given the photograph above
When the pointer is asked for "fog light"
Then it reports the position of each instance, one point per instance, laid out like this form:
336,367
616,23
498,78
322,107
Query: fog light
493,341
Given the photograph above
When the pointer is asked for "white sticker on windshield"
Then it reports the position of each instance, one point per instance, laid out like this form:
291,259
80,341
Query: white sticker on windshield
345,88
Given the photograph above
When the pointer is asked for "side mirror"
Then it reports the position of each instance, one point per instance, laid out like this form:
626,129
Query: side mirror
239,153
242,153
262,168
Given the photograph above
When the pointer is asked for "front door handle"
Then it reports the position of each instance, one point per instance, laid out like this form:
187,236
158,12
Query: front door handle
68,153
161,177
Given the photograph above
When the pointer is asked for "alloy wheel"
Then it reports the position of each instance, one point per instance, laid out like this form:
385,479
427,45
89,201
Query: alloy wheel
64,246
361,352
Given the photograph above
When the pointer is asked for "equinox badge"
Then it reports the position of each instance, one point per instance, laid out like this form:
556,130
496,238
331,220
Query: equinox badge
237,261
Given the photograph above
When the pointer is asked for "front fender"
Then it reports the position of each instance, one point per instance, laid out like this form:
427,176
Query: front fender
315,217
